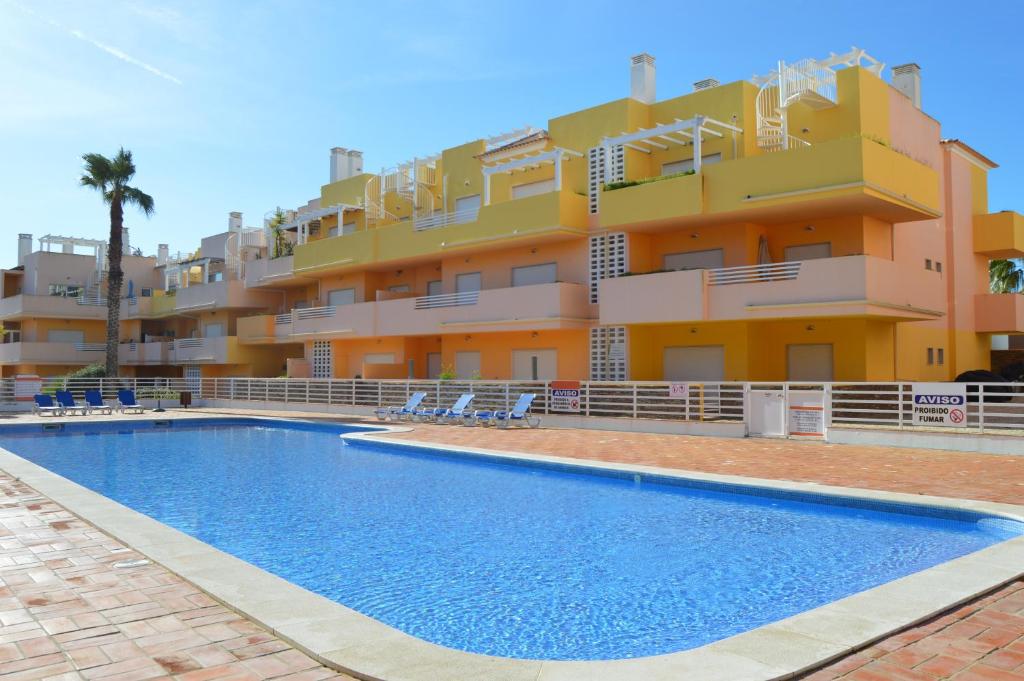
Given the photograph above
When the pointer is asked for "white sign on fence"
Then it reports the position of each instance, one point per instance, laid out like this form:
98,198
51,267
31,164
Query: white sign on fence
565,396
807,413
679,390
940,404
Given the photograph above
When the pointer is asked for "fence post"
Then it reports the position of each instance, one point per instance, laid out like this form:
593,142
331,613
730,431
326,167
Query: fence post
899,405
634,400
380,393
506,397
981,408
547,397
307,391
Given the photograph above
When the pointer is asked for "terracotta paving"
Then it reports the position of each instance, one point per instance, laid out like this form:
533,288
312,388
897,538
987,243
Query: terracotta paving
67,613
985,477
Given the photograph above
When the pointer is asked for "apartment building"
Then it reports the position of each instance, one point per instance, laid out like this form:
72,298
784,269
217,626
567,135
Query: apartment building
810,224
178,314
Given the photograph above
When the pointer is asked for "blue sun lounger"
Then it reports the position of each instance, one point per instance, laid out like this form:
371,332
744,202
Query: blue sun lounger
408,410
94,402
126,401
68,405
441,415
519,414
43,404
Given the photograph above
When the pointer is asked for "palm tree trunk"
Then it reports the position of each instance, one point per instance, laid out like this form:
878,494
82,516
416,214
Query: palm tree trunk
114,279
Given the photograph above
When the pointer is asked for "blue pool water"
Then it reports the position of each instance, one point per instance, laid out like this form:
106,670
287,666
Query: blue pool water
502,559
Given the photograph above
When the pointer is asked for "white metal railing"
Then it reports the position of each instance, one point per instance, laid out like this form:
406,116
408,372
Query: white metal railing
447,300
96,300
281,319
754,274
991,407
457,217
314,312
91,347
190,342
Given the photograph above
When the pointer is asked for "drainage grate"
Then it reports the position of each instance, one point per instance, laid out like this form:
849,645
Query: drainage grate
161,424
52,426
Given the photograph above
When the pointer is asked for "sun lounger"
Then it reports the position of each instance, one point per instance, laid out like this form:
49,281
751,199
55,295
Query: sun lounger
440,415
94,402
68,405
407,410
43,404
519,414
126,401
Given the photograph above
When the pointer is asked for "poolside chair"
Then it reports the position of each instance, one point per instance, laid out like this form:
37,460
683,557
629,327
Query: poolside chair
441,415
408,410
126,401
94,402
519,414
43,404
68,405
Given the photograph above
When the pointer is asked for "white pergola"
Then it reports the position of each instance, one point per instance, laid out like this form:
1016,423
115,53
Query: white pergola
554,157
172,272
679,132
301,223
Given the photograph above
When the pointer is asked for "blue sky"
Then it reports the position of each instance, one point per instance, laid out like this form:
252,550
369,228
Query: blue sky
234,105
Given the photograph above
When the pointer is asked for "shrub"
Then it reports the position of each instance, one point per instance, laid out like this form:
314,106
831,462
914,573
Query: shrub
612,186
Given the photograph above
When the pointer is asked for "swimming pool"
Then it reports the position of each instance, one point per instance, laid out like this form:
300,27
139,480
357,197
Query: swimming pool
504,558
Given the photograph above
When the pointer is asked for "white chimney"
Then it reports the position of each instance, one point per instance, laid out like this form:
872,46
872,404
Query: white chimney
234,221
126,244
345,163
163,253
641,78
705,84
24,247
907,79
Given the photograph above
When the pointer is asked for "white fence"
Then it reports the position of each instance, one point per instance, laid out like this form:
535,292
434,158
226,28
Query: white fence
991,407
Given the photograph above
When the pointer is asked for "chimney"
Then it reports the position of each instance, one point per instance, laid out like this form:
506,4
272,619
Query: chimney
24,247
345,163
234,221
705,84
907,79
355,162
163,253
126,244
641,78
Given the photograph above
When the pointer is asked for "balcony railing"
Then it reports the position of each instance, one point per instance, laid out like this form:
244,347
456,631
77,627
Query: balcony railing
457,217
753,274
447,300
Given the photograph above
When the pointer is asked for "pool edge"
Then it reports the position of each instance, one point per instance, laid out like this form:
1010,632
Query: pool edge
346,640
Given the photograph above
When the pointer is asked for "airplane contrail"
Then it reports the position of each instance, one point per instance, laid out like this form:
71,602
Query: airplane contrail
113,51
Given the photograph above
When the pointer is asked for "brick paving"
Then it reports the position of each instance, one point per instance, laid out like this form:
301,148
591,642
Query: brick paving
67,613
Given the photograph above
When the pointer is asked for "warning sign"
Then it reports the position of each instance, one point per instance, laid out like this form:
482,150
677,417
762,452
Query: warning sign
565,396
940,404
806,413
679,391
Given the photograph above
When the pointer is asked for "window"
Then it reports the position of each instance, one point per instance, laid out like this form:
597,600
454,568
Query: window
67,290
693,363
938,266
931,355
520,191
535,274
65,336
470,281
341,296
346,228
379,358
213,331
940,355
687,164
400,288
467,365
807,252
809,362
534,365
333,231
145,292
434,288
927,263
694,260
468,203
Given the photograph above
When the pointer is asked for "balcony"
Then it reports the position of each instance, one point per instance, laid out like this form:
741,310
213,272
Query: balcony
51,353
849,175
999,312
856,286
152,353
54,307
218,350
999,235
543,306
269,271
545,217
214,295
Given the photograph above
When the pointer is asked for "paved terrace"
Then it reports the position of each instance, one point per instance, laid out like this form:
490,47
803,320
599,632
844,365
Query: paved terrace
66,612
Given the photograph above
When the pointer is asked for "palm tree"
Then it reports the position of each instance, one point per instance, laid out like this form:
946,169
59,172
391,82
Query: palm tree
1005,276
110,177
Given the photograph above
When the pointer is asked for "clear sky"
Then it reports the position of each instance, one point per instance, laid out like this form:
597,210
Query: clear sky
235,105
